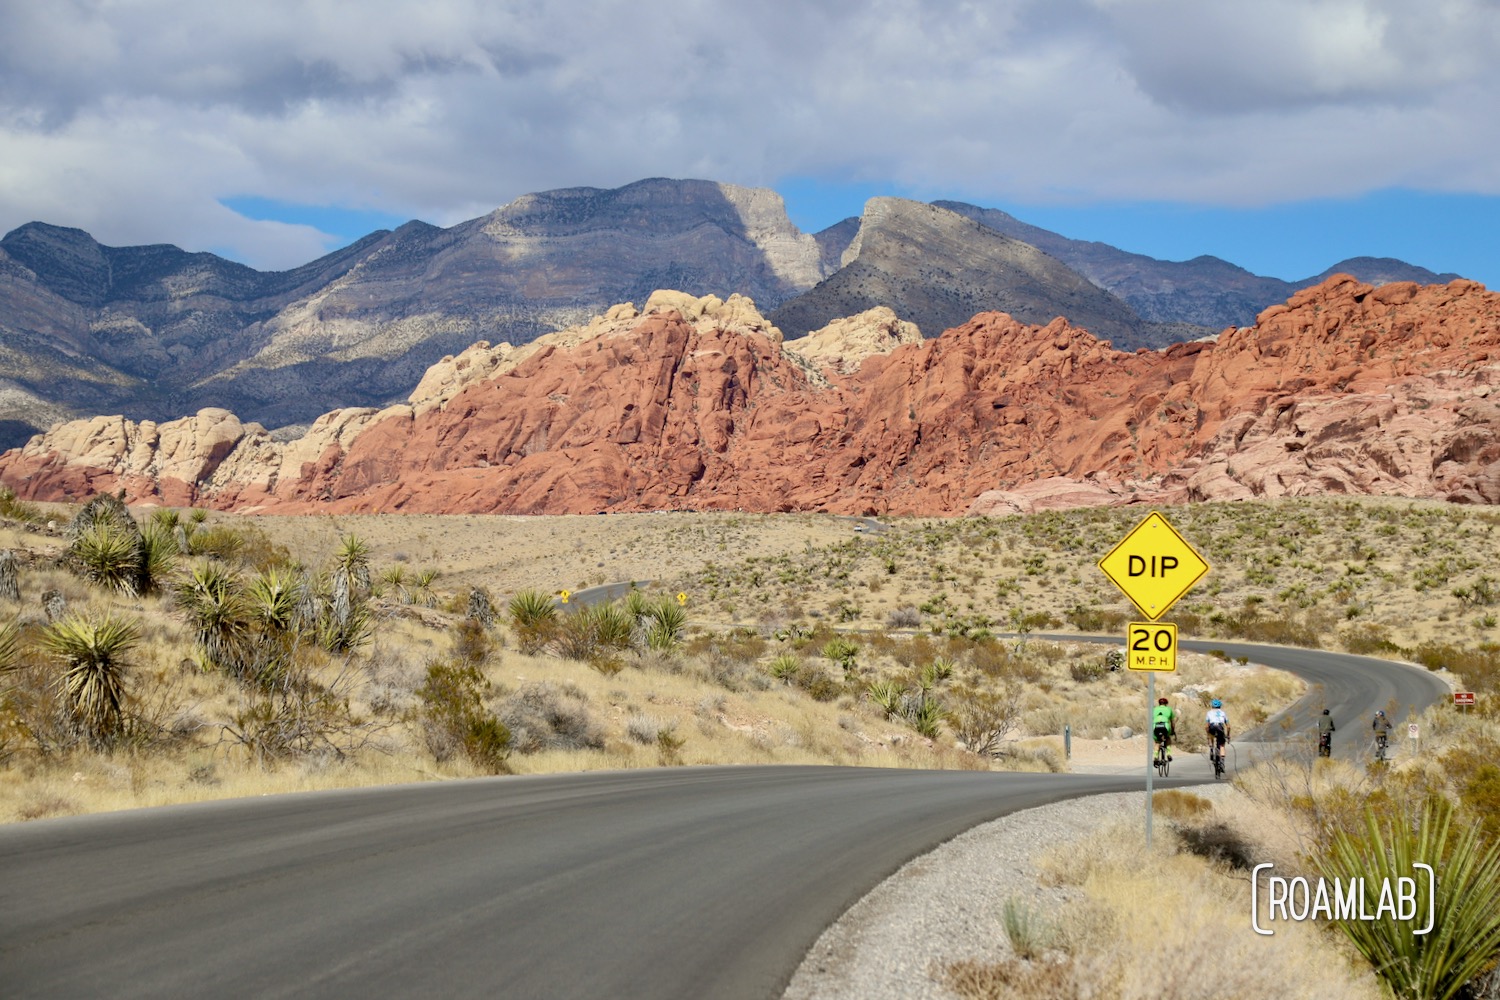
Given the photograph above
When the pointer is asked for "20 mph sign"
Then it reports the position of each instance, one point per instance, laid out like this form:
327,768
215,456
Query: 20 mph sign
1154,566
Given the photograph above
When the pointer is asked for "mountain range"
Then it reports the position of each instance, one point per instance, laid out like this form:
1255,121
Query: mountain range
158,333
699,403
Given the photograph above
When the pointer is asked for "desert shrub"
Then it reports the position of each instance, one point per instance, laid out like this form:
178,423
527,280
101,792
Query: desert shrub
1094,619
1219,843
595,635
550,716
818,684
643,728
982,718
1465,939
219,541
1175,803
533,620
1479,666
1369,638
300,719
1087,668
1026,929
472,642
907,617
17,509
453,717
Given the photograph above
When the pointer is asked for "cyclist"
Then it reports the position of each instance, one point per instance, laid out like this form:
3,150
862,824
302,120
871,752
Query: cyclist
1325,734
1381,727
1216,724
1164,724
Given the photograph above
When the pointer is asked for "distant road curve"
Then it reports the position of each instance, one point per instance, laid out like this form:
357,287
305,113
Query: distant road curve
1350,687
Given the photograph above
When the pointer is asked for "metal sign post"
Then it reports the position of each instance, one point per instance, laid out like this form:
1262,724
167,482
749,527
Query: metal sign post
1153,565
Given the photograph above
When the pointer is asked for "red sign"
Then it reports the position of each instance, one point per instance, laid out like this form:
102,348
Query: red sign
1463,697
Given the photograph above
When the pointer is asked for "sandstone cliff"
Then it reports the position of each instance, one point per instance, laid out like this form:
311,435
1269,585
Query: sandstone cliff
696,402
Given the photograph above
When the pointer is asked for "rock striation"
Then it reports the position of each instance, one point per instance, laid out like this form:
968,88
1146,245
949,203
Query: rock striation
696,402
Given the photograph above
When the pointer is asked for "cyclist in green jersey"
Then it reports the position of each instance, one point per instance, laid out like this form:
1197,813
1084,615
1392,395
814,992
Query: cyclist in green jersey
1164,717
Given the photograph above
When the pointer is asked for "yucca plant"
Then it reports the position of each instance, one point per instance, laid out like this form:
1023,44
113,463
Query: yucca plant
533,619
93,680
887,696
1465,938
214,603
668,621
158,556
352,560
423,593
785,668
10,645
108,555
395,578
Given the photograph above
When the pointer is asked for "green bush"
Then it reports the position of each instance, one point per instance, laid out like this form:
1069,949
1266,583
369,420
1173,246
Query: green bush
454,719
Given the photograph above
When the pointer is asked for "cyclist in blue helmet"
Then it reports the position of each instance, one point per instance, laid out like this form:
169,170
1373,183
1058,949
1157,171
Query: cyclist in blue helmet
1216,723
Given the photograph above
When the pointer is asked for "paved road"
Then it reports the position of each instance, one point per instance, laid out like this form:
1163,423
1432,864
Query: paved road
683,883
686,882
1350,687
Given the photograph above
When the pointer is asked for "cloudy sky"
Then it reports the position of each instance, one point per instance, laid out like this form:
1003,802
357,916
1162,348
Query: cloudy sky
1283,135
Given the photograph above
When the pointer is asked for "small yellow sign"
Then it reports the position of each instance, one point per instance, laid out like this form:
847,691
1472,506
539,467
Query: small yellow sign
1151,646
682,599
565,594
1153,566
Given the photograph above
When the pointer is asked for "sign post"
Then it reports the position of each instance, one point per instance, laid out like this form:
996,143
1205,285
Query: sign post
1463,699
1153,566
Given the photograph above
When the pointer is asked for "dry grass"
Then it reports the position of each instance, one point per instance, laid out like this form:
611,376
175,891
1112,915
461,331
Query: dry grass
1160,923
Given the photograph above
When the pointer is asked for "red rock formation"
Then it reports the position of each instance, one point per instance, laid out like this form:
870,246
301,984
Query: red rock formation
1345,389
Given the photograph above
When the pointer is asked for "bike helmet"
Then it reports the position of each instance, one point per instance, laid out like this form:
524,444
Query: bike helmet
1216,703
1380,713
1325,711
1161,701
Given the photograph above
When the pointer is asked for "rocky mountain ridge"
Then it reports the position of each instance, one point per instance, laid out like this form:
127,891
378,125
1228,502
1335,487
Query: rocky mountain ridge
155,333
697,403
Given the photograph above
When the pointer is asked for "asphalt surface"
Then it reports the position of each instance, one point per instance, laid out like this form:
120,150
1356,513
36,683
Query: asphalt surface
675,883
681,883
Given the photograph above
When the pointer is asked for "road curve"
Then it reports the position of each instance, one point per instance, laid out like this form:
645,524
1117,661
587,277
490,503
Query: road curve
685,882
1350,687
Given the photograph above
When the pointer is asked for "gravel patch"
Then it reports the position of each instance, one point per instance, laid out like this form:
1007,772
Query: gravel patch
945,905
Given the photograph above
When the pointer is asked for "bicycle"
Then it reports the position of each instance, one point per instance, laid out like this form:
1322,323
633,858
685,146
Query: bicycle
1325,744
1162,763
1382,744
1216,756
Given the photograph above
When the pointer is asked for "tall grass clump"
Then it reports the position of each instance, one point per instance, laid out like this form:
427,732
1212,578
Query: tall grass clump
1465,938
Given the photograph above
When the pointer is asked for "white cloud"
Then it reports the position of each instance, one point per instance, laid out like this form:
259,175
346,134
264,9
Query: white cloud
132,120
